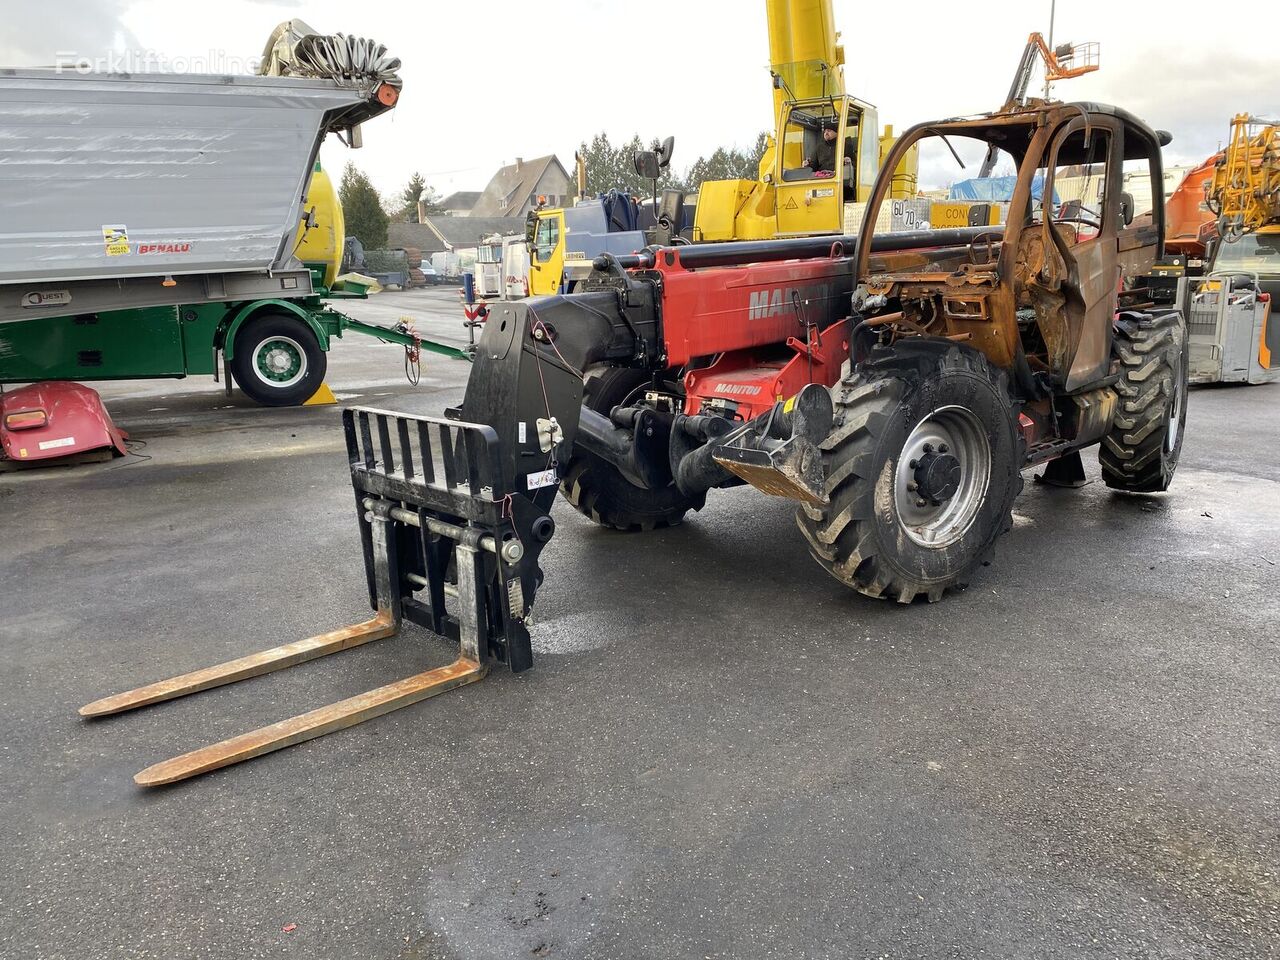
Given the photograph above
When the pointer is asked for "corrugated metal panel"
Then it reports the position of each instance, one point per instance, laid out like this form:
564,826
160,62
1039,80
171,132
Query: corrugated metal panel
205,173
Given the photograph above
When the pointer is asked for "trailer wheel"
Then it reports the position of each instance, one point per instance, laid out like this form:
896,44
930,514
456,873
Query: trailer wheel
923,464
597,489
1141,451
277,360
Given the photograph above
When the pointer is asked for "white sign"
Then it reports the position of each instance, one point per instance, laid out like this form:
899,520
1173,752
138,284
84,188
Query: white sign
547,478
61,442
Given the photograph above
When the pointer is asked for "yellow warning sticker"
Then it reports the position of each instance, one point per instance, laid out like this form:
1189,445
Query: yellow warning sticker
116,238
791,204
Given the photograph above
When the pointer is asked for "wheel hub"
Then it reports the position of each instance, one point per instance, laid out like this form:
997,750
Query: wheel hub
279,361
937,475
942,476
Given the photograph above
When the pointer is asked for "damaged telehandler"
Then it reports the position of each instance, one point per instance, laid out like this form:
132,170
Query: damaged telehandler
896,387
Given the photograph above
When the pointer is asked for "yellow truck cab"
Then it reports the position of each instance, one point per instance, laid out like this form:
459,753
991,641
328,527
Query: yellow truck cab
545,232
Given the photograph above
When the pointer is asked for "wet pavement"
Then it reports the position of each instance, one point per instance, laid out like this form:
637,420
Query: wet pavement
719,753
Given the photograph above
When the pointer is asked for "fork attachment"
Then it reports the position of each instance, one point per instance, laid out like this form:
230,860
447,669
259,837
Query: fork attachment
448,545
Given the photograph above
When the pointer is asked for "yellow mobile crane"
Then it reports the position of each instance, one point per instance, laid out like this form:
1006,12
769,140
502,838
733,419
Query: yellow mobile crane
804,186
798,192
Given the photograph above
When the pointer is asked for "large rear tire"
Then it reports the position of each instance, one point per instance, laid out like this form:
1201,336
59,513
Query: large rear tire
597,489
1141,452
923,463
277,360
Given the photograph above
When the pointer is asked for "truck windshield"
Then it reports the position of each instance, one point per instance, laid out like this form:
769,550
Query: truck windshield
1254,252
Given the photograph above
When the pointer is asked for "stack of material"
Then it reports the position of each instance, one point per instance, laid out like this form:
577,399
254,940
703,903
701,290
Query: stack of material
413,255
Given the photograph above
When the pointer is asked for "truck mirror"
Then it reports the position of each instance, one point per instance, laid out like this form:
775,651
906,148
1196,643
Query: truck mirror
1126,208
530,226
664,151
646,164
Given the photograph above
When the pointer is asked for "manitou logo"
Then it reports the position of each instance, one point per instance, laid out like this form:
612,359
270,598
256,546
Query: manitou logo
738,389
771,303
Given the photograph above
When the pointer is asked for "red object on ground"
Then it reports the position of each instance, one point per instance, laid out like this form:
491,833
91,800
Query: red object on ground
74,423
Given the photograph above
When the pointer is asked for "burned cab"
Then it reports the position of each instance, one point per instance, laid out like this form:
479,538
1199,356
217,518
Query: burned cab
1038,290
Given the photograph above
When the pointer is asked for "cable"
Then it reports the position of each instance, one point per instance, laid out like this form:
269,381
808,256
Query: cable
130,445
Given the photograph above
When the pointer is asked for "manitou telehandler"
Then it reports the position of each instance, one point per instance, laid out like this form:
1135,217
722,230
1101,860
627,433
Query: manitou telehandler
896,386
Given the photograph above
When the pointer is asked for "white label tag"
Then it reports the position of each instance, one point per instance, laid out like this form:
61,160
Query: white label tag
46,298
524,433
546,478
61,442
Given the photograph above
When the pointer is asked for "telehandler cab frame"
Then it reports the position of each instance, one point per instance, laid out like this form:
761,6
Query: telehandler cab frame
895,387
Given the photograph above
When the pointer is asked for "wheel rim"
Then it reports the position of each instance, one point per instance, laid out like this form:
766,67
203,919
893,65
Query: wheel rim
1174,426
942,476
280,361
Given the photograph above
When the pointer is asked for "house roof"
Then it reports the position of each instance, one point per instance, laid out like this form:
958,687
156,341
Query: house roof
514,184
460,200
454,232
400,234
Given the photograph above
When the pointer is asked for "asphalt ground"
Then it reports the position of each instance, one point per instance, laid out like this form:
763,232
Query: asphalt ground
719,753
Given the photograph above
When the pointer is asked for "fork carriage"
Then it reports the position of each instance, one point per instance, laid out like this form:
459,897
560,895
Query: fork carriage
446,547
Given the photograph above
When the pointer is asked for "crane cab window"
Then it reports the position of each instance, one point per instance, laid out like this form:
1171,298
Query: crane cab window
809,151
546,238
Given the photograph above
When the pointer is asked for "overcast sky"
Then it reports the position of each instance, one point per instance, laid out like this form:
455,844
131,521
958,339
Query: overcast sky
488,81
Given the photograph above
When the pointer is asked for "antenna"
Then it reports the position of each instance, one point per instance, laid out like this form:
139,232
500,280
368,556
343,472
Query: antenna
1048,73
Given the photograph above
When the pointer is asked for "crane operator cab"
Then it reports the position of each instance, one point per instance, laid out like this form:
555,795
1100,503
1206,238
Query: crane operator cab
830,156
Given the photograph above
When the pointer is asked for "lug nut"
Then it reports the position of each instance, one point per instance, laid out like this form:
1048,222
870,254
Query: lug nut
928,448
913,464
912,485
922,502
942,448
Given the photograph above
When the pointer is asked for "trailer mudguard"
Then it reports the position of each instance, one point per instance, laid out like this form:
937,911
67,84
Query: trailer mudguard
248,310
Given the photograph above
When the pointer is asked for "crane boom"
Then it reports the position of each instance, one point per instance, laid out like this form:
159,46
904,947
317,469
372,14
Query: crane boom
1061,63
806,58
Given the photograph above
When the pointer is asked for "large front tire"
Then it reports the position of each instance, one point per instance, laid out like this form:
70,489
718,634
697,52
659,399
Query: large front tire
597,488
1141,451
278,361
923,463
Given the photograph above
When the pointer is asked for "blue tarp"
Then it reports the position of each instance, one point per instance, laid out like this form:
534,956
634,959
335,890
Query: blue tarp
619,211
995,189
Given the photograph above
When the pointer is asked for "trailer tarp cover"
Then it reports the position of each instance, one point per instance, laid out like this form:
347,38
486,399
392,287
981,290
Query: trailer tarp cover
109,176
